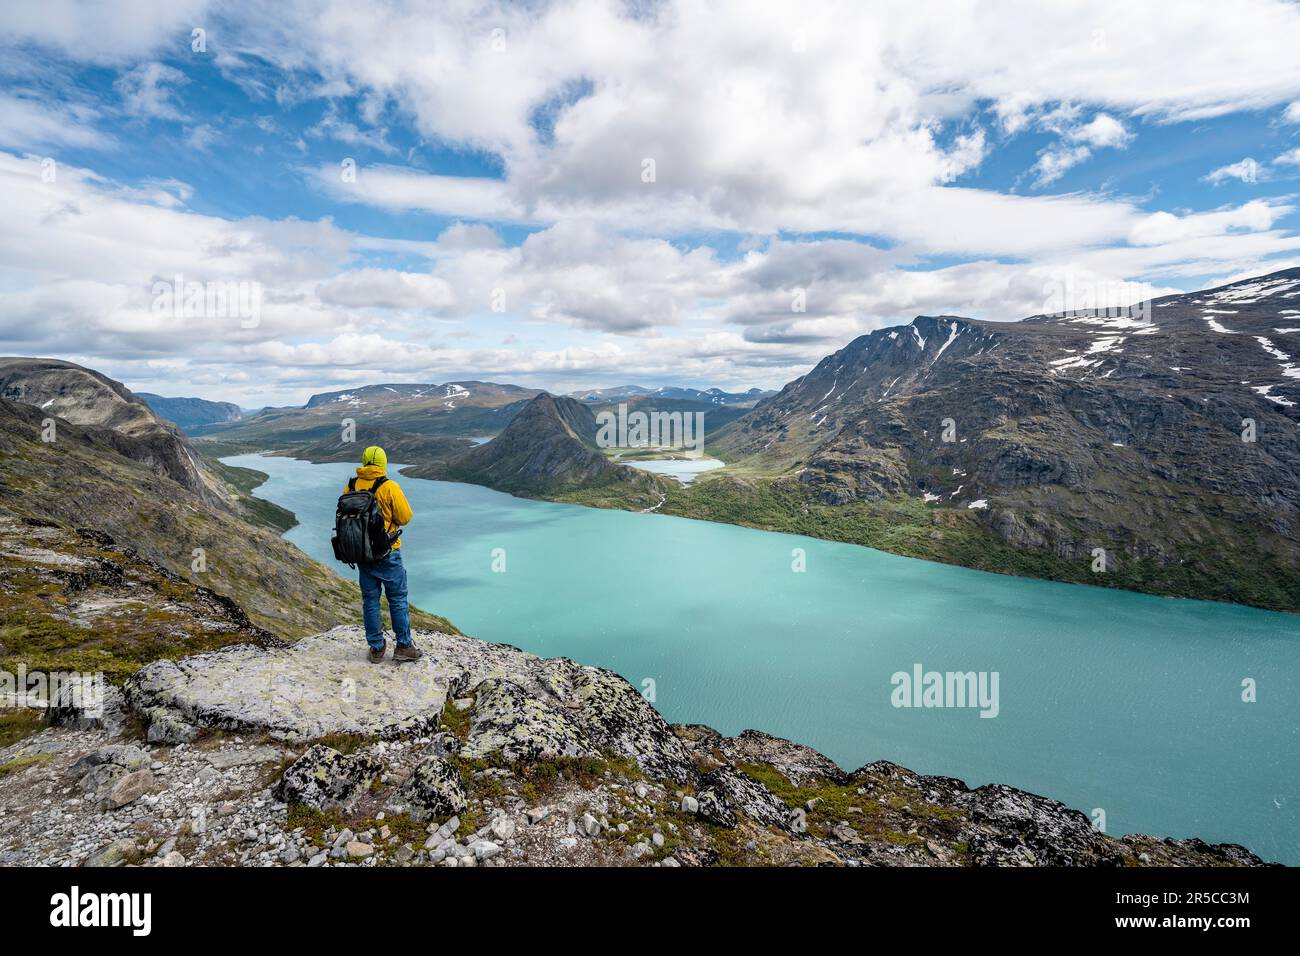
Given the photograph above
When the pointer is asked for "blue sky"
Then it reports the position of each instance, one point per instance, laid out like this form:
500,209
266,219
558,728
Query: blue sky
870,164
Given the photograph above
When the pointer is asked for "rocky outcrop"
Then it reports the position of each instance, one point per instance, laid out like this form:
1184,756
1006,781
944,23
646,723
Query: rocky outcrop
324,779
537,762
525,708
434,790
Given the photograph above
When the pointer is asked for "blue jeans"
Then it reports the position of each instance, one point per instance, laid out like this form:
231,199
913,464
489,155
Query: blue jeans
389,574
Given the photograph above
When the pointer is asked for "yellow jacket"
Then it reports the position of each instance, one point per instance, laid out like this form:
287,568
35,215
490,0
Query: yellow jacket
392,502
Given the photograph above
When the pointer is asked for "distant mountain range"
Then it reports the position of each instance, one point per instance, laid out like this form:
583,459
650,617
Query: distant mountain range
1155,448
1160,444
189,412
712,396
548,450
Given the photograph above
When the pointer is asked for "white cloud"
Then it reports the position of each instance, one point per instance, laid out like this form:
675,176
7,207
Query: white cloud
1101,131
201,137
1245,170
148,91
1290,158
1055,161
102,33
27,122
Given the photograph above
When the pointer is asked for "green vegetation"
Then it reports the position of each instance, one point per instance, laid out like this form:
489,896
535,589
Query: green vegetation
259,510
19,723
909,527
20,763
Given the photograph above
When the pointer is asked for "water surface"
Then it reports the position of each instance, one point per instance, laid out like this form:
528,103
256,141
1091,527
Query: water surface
1108,699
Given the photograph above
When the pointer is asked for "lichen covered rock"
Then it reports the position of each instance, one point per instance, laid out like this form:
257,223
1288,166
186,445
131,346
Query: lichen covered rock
434,790
324,779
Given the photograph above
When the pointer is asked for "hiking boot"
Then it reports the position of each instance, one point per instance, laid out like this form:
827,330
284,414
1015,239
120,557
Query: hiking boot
403,653
376,656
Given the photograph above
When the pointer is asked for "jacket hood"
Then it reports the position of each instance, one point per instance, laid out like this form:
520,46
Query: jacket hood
370,472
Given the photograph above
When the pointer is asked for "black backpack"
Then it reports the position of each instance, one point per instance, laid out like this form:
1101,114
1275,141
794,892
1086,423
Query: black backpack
359,532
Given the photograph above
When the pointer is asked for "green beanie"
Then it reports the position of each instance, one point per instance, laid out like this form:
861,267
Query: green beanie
374,455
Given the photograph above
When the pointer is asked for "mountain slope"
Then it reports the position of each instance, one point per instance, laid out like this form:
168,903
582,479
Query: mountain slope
548,449
189,412
85,397
93,477
1067,434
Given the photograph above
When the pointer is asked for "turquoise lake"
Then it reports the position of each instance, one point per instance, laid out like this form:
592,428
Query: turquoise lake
1124,702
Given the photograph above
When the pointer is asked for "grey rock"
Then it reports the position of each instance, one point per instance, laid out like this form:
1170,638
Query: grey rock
115,854
324,779
130,788
724,791
434,789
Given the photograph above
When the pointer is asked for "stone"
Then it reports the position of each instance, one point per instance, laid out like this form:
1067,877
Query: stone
167,728
359,851
724,791
690,805
172,859
485,850
434,790
115,854
589,824
292,691
503,828
121,755
318,860
324,779
130,788
94,705
225,759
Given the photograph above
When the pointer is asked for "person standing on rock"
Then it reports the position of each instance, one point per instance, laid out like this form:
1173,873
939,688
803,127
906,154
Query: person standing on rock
388,573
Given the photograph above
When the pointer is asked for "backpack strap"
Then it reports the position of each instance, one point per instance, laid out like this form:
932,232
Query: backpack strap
352,485
378,481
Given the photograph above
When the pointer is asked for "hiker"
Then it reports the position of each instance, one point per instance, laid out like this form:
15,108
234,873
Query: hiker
387,572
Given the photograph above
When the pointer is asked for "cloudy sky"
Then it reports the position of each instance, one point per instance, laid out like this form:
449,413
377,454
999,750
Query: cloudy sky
592,193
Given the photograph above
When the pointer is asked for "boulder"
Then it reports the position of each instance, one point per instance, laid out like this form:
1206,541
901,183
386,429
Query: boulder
324,779
434,790
129,789
724,792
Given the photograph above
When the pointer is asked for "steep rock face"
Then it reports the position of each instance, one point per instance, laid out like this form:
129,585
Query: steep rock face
1069,432
86,398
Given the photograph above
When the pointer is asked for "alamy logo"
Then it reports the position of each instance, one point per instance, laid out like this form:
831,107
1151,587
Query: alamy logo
73,909
922,688
40,689
651,430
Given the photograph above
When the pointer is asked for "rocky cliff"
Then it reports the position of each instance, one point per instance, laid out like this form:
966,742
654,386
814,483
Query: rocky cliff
482,754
